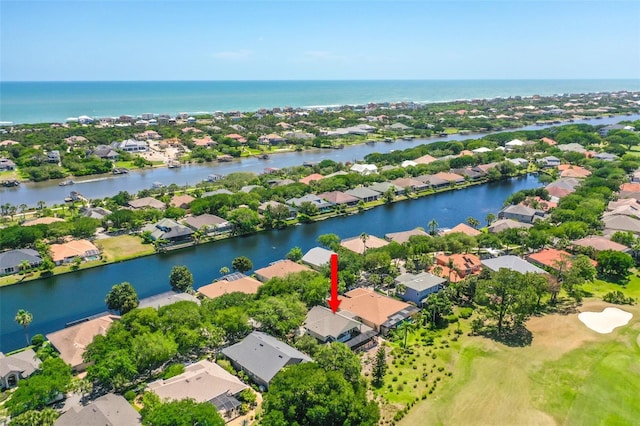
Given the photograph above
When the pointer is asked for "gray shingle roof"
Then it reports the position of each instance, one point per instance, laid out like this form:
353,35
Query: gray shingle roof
108,410
263,355
513,263
12,258
317,256
362,193
322,323
420,282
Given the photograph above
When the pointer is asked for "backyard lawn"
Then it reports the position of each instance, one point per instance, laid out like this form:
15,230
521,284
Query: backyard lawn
123,247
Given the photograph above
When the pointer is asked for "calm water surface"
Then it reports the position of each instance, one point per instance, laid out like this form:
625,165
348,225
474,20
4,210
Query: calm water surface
58,300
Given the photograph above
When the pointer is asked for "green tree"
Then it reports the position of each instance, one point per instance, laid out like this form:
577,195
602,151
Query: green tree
185,412
24,318
242,264
181,279
614,263
338,357
122,298
438,305
506,297
46,417
490,218
306,394
224,270
433,226
473,222
295,254
244,220
329,241
379,367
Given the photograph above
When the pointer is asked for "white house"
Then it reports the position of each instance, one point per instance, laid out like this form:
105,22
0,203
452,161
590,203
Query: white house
364,169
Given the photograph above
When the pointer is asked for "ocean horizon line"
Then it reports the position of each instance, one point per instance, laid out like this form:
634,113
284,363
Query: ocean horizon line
327,80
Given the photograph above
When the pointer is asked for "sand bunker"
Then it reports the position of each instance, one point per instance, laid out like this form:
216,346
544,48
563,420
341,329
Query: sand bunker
606,321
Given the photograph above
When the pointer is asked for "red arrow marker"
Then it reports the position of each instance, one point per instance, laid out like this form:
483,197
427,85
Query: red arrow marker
334,302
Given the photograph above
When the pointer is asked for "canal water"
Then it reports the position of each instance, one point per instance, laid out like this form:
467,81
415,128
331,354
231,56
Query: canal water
94,187
58,300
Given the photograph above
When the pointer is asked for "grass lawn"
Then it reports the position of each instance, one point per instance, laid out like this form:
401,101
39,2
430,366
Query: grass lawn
123,247
568,375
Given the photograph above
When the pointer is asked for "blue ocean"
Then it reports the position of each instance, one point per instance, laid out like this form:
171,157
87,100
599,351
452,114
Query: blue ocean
39,102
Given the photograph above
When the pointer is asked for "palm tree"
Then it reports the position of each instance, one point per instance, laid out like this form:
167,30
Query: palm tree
224,271
433,226
24,318
364,237
451,267
24,266
490,218
473,222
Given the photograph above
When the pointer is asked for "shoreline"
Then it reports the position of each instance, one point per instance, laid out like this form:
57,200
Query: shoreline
319,218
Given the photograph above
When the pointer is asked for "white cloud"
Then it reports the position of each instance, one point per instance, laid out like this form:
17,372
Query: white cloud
234,55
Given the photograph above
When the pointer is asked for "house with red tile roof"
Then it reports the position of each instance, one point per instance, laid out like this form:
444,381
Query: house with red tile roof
425,159
181,201
339,198
553,259
236,137
571,171
65,253
463,265
314,176
450,177
356,245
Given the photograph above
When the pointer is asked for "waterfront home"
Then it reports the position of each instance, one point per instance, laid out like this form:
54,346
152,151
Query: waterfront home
327,326
236,137
317,257
203,381
181,201
562,187
204,141
418,287
308,179
518,162
6,164
71,342
271,139
512,263
425,159
108,410
521,213
382,313
514,144
433,181
363,193
463,266
230,283
322,205
462,228
339,198
224,158
630,190
209,223
146,203
404,236
452,178
504,224
42,221
165,299
357,245
132,145
549,141
11,261
67,252
169,230
105,152
604,131
53,156
270,205
16,367
483,169
571,171
280,269
470,173
364,169
549,161
599,243
262,356
148,135
413,184
383,187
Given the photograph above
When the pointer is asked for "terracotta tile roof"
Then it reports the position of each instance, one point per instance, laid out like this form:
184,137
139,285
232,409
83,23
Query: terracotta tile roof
356,245
540,204
280,269
549,141
403,237
463,228
568,170
425,159
373,308
307,180
451,177
464,264
339,197
550,258
630,187
245,285
80,248
72,341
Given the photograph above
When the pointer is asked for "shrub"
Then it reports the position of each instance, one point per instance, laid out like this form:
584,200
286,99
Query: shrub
173,370
617,297
465,313
37,340
130,395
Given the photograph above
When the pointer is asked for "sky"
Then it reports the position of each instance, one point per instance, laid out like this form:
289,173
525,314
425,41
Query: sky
318,40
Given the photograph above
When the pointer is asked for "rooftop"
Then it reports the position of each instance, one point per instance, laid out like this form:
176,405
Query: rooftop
230,284
280,269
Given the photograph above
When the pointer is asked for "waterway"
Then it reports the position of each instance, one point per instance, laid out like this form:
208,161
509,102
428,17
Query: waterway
60,299
94,187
